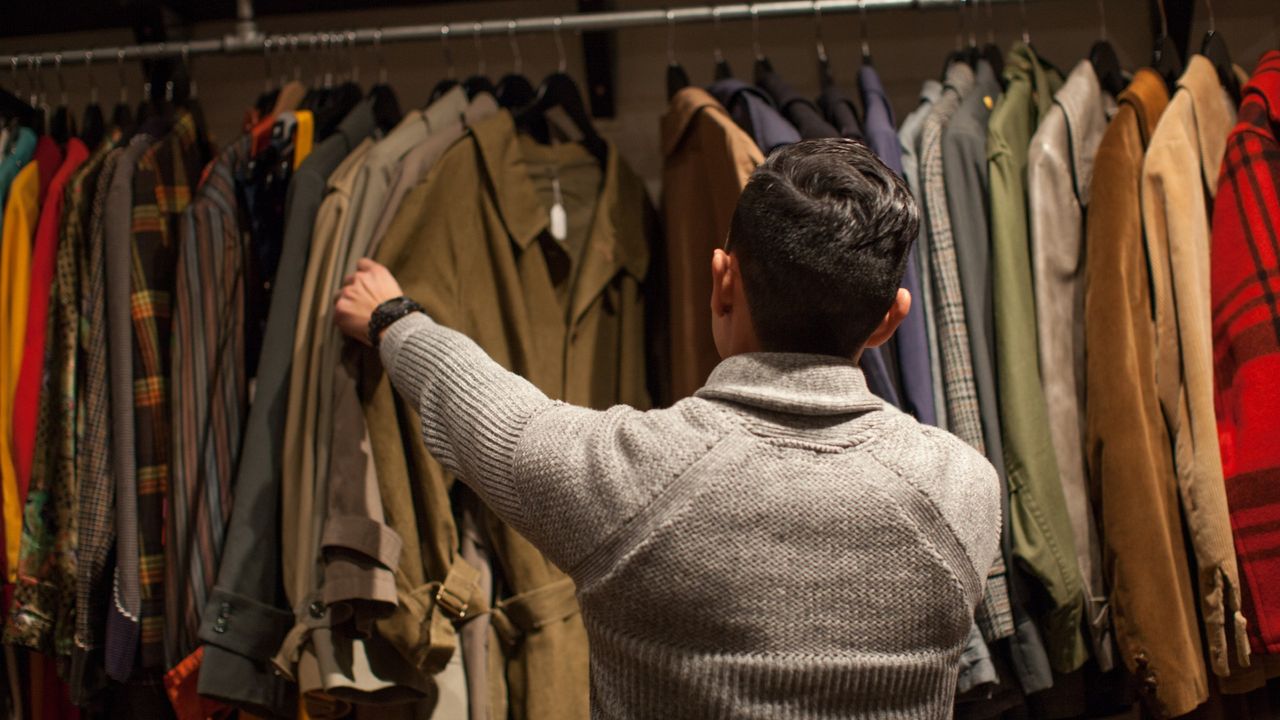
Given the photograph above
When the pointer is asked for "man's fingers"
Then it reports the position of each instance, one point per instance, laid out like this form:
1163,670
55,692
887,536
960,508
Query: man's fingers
365,264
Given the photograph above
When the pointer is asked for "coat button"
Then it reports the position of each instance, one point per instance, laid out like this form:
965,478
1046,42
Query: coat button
316,609
220,625
225,610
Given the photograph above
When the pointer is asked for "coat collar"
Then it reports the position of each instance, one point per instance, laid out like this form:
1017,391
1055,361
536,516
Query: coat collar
1087,110
1213,112
685,106
1148,96
618,238
793,383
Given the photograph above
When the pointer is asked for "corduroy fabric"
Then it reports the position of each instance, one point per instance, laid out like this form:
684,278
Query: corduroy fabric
782,544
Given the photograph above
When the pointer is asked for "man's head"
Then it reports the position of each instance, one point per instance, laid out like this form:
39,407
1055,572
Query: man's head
816,251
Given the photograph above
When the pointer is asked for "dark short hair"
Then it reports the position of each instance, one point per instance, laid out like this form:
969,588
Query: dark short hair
822,233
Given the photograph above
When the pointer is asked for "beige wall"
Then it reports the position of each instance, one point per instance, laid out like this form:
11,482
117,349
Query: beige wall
908,45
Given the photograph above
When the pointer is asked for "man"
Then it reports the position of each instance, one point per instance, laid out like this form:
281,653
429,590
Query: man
782,544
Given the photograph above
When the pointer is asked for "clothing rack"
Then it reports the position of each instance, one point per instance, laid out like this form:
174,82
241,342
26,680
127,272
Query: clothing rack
248,39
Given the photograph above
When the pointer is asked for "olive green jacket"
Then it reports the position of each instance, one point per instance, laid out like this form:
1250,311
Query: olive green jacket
1042,536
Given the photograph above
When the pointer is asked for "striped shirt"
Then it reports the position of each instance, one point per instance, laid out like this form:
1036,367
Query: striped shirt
209,397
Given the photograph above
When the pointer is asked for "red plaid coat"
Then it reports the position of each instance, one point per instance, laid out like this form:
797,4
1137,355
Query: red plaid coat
1245,260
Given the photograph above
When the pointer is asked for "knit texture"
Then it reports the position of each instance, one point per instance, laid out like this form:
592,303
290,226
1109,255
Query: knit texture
782,544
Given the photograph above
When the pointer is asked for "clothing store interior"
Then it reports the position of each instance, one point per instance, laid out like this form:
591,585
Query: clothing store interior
214,505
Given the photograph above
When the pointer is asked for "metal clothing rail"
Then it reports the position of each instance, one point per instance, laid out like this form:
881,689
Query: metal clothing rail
247,42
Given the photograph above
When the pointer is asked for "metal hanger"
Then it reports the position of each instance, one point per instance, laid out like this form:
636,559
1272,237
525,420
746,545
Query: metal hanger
451,78
722,66
762,64
1214,48
864,32
677,78
122,115
514,89
93,125
62,126
1106,64
479,82
1166,60
559,90
824,61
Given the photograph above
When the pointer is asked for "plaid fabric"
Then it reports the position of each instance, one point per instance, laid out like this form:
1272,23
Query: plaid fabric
163,182
1245,271
45,598
209,396
994,616
95,497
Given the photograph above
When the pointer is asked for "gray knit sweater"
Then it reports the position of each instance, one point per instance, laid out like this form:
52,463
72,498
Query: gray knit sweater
781,545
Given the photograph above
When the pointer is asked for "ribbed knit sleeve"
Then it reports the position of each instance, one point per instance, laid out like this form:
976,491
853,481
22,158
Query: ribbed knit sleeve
473,410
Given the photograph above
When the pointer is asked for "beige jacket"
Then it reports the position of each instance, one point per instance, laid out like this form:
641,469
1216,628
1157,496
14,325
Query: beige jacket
1179,180
1059,178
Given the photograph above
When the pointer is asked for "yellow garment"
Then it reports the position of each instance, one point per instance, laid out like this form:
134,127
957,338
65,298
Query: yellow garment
303,136
20,215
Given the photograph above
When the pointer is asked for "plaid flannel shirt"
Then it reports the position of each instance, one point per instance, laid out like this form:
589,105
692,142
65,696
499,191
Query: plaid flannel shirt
163,183
1245,281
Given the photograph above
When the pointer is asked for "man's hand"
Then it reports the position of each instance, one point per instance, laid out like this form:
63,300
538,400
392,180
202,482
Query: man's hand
362,292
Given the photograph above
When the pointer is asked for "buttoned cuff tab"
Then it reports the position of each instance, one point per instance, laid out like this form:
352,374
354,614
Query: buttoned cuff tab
243,625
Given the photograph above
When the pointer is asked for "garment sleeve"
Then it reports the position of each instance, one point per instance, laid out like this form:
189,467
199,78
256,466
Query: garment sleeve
567,478
473,410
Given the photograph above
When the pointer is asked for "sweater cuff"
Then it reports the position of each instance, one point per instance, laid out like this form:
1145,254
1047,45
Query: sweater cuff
393,338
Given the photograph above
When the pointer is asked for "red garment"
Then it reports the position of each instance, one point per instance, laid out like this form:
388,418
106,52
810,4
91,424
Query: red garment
1245,263
48,159
181,682
26,399
262,134
50,698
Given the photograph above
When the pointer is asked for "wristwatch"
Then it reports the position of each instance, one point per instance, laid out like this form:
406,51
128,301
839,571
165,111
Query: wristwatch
387,313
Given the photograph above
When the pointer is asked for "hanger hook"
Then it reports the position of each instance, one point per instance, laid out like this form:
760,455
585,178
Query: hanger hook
378,57
1212,23
972,21
353,62
863,29
193,90
755,32
1022,12
288,45
817,30
1164,19
481,65
93,80
266,64
62,82
563,64
448,54
1102,20
715,19
671,38
124,86
991,24
959,25
517,60
38,80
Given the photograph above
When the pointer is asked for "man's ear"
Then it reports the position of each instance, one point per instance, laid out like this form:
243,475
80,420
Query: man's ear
723,277
892,319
